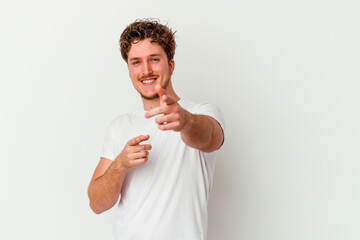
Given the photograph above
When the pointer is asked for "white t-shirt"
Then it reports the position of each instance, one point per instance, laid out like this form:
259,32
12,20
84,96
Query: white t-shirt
166,197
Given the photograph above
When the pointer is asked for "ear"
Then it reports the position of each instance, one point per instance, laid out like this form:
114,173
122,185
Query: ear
172,66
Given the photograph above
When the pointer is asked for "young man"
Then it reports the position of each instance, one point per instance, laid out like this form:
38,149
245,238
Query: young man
159,160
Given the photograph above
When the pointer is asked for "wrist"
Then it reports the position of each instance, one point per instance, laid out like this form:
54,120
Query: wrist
118,167
189,120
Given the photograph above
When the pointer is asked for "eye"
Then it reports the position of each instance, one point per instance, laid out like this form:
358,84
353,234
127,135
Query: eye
135,63
155,60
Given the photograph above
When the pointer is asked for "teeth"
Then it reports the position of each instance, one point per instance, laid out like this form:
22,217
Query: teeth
148,81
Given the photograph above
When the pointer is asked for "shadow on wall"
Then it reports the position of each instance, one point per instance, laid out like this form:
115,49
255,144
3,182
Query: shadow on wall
224,204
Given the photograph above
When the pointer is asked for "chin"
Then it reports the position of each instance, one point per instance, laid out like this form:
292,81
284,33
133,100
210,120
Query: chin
153,97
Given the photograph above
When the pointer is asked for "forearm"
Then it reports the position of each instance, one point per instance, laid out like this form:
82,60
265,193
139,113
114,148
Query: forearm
104,191
202,132
198,131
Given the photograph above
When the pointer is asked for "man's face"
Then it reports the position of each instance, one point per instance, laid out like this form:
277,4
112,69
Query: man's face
148,65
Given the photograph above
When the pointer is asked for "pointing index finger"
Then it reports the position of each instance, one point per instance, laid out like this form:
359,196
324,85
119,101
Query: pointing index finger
160,90
138,139
164,97
153,112
169,99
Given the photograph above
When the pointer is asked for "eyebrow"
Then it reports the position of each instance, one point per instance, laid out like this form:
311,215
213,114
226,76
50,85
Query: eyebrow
151,55
134,58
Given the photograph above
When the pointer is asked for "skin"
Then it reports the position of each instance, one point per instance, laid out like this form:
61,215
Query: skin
150,72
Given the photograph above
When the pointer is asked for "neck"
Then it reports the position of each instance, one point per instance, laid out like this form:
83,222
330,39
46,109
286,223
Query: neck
150,104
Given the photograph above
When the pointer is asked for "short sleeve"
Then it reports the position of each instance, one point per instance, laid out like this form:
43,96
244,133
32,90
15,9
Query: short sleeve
211,110
108,145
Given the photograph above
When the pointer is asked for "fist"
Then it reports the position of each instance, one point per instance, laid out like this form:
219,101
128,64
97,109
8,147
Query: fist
134,153
172,115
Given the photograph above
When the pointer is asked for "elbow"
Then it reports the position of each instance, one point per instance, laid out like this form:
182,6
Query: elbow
95,209
99,207
215,142
94,205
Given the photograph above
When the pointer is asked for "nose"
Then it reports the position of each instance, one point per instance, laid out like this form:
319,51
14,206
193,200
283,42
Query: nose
147,69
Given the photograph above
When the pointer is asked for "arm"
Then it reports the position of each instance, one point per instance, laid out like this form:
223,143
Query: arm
202,132
198,131
106,183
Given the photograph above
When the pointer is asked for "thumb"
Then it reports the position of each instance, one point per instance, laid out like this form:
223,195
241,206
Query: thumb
160,91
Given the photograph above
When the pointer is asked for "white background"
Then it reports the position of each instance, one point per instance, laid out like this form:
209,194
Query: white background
285,74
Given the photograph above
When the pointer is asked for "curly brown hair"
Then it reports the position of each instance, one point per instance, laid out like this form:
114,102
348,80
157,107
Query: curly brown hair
147,28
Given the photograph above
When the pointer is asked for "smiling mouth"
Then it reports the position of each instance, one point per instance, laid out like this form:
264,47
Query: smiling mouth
147,81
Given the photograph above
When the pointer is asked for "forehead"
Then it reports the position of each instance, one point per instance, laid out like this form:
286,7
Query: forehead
145,48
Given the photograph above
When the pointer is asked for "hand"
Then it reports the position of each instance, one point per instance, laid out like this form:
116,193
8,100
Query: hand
133,153
174,116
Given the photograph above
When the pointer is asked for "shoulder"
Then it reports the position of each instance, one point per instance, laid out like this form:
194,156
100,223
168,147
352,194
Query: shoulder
196,106
124,118
203,108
